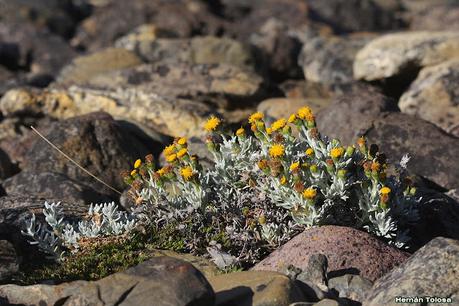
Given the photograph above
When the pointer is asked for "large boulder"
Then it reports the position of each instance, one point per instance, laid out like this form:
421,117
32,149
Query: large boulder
96,142
404,53
430,272
348,251
350,115
434,96
161,280
329,60
433,152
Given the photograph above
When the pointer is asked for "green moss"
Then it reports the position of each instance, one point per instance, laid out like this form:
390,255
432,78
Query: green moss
98,260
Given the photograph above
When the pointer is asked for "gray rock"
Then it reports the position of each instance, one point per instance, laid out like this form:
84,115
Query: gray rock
255,288
329,60
164,280
109,22
439,17
353,287
354,15
83,68
316,270
9,261
218,85
53,185
349,116
196,50
348,251
433,152
37,51
431,271
277,49
326,302
51,15
403,53
96,142
434,96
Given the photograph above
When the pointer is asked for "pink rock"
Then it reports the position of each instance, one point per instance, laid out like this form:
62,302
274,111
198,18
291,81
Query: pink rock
346,249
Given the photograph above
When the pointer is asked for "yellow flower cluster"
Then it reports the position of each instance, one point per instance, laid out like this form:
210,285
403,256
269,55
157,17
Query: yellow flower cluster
294,166
255,117
384,190
310,193
276,150
186,173
306,113
279,124
336,152
212,124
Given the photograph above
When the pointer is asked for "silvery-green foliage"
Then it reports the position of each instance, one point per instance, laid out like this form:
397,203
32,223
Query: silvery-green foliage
57,235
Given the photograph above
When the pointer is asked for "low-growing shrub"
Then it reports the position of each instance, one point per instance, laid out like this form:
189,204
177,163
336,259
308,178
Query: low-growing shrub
265,186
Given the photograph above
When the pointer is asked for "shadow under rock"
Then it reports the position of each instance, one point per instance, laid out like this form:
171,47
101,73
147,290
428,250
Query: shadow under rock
342,272
235,295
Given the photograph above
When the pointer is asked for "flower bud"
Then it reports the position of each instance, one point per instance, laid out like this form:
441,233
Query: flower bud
349,151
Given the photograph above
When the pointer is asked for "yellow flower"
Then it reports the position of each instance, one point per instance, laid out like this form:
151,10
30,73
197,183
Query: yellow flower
133,172
269,131
181,141
137,163
240,132
305,113
161,171
182,152
294,166
279,124
336,152
309,193
171,158
276,150
385,190
309,152
212,124
169,150
375,166
292,118
283,180
186,172
255,117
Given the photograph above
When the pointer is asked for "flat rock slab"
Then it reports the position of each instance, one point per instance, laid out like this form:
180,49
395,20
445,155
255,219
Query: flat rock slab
347,250
163,281
431,271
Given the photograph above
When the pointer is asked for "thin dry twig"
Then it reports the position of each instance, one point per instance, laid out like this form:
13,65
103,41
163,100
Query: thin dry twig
73,161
